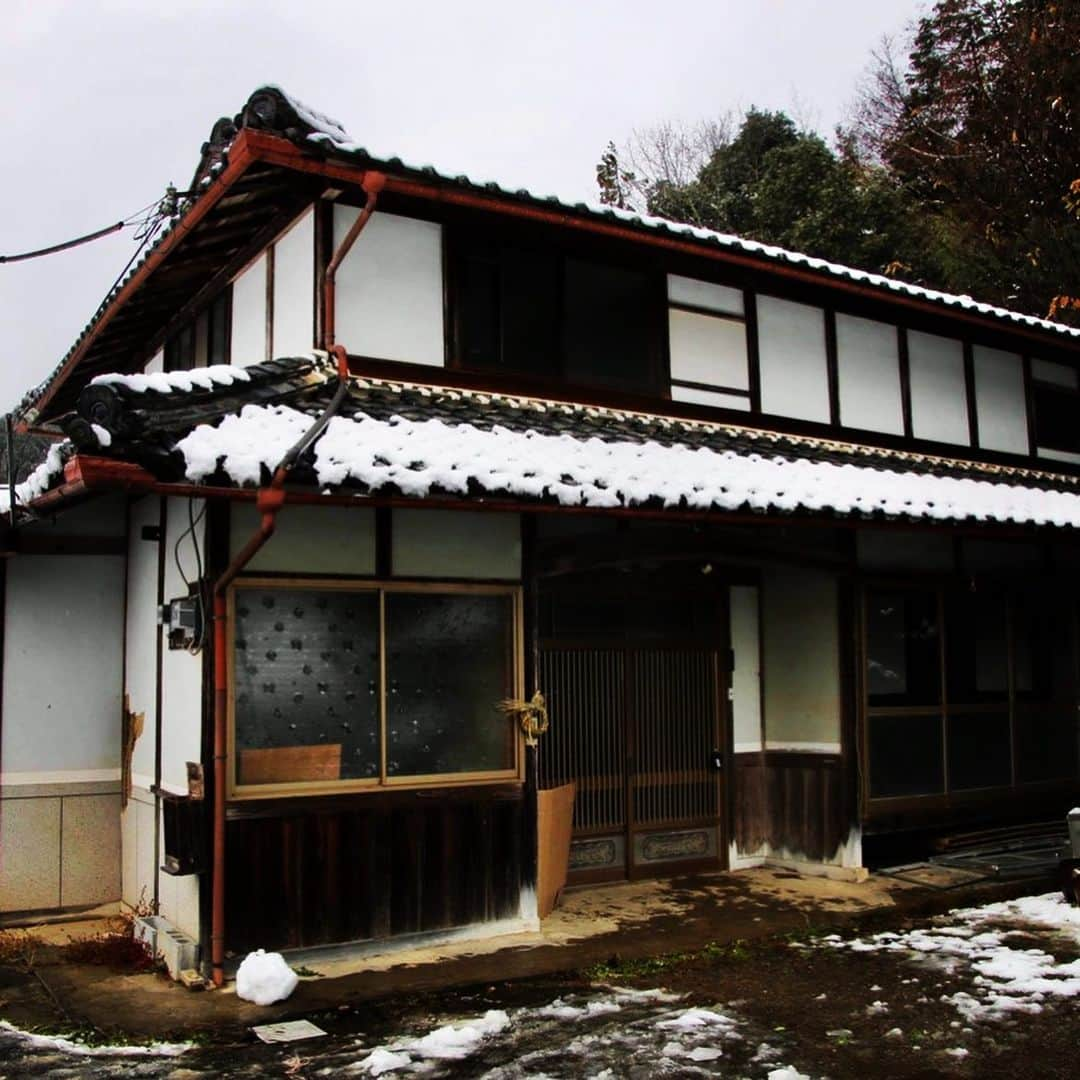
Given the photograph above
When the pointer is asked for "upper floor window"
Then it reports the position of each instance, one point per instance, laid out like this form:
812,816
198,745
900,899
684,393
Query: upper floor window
707,344
1056,396
532,311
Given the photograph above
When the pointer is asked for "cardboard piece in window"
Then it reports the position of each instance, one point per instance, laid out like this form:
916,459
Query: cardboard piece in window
291,764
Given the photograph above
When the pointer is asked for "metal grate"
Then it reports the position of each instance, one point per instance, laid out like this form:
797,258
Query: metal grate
658,706
586,740
674,697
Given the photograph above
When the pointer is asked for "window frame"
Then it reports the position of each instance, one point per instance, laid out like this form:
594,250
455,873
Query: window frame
1013,707
237,792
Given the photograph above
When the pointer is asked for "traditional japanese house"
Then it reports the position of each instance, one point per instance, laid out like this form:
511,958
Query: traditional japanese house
789,549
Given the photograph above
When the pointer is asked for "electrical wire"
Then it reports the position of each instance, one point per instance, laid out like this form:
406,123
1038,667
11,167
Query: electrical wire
193,523
140,220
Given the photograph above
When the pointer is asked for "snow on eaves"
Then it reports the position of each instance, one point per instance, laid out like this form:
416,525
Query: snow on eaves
42,478
167,382
420,458
331,133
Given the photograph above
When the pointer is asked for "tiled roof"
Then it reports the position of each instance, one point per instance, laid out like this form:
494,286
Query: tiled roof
421,441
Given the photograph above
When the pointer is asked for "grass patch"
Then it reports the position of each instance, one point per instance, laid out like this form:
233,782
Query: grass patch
713,952
116,946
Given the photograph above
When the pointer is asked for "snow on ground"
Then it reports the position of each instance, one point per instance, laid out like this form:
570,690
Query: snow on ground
992,943
81,1049
598,1036
265,978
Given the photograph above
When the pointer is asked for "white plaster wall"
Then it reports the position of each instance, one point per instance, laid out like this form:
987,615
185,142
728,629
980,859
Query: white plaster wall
294,289
155,363
868,370
802,660
142,633
938,389
456,544
63,650
1000,401
248,341
793,363
717,400
182,672
746,679
309,539
390,289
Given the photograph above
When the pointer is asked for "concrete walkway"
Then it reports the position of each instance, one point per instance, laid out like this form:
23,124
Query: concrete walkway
624,921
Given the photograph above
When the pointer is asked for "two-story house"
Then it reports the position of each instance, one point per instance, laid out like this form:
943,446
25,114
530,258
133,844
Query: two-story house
789,549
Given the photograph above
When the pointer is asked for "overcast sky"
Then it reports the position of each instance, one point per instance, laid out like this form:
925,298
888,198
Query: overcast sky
104,102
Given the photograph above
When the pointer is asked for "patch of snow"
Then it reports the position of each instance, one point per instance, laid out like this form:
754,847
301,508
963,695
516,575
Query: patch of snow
786,1072
894,1033
697,1018
265,978
41,479
454,1042
74,1046
958,1052
562,1010
381,1061
876,1008
167,382
103,435
421,456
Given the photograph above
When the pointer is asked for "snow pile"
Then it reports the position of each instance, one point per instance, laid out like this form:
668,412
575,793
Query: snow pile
74,1046
451,1042
419,457
168,382
1007,979
265,978
562,1010
41,479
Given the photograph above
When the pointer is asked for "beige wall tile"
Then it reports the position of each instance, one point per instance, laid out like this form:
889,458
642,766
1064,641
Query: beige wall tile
29,854
90,850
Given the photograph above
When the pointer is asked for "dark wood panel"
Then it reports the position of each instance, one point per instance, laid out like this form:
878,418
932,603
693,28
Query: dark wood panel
793,802
372,870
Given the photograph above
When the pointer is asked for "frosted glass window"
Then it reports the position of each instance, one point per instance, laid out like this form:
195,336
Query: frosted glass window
793,364
1058,374
1000,400
939,408
868,367
390,289
294,289
692,395
249,315
704,294
708,350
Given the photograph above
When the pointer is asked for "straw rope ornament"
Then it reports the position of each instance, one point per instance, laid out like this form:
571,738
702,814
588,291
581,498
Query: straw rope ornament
532,715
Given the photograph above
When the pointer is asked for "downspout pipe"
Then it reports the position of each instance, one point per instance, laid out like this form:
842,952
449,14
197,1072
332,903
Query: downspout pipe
268,502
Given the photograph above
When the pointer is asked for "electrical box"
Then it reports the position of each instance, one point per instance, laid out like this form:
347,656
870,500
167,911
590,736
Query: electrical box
183,619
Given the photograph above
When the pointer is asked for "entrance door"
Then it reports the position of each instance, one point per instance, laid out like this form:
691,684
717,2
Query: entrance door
636,690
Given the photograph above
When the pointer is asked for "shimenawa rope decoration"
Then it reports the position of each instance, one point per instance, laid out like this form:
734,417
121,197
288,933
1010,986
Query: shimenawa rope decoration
532,715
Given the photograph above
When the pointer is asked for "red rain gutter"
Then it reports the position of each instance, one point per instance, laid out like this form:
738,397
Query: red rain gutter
268,502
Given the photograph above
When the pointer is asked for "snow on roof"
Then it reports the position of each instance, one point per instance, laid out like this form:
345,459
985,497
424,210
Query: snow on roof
331,133
422,458
167,382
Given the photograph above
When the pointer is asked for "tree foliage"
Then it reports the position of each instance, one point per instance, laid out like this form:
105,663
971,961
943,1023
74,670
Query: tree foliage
955,171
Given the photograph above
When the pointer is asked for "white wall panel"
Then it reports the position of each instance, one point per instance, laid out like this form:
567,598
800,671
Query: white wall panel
802,658
248,343
294,289
182,673
939,409
345,539
746,678
456,543
1000,401
142,631
63,651
704,294
710,350
793,364
868,369
390,289
155,363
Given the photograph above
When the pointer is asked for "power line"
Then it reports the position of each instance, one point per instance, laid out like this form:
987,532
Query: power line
145,221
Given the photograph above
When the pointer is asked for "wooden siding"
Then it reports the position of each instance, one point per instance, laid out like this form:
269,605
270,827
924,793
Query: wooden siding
374,867
793,802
